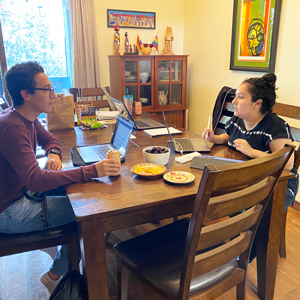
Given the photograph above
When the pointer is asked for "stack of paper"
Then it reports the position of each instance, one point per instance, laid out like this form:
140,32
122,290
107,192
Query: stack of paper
161,131
107,115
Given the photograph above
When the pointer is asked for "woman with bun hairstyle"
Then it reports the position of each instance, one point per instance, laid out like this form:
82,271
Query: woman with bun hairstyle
254,129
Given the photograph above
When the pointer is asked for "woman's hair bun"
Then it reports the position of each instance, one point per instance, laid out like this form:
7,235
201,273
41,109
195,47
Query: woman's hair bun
270,79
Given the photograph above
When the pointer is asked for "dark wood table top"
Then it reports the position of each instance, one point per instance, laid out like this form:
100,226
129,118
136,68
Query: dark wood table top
109,194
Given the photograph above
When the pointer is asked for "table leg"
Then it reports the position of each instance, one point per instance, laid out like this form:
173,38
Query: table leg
94,259
268,236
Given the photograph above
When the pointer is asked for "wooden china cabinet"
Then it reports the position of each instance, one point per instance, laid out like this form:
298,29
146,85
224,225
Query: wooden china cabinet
157,81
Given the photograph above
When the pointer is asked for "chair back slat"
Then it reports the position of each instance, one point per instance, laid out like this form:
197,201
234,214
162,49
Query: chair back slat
89,92
219,232
251,181
213,259
259,171
287,110
235,202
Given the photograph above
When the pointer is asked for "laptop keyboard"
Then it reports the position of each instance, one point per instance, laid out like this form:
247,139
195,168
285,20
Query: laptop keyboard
186,144
140,123
102,150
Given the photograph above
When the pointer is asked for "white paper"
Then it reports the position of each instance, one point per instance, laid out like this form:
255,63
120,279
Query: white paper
161,131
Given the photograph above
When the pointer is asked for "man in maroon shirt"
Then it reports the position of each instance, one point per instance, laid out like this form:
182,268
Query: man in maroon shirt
20,133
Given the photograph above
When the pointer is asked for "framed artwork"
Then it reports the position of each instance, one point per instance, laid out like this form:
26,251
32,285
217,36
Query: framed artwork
254,35
131,19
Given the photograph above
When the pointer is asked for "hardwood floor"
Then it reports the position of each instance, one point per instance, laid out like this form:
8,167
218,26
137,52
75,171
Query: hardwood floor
19,274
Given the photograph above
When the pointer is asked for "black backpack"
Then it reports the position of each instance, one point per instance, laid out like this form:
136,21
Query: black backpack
72,286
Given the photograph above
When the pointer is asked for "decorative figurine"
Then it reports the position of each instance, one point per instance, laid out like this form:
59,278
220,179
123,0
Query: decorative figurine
126,43
168,41
134,49
117,40
130,49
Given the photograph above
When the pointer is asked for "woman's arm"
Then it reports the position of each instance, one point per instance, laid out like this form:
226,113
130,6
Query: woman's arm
275,145
278,144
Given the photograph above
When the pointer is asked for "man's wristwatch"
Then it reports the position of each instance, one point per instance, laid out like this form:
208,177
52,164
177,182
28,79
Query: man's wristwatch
55,151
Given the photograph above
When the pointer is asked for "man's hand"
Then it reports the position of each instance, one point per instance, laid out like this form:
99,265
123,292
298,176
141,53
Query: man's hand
53,162
108,167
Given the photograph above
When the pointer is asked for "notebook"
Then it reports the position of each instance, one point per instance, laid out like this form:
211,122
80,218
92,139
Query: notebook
183,145
199,162
119,140
146,123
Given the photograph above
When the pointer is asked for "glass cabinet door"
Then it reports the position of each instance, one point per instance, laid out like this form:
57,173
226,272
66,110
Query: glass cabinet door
176,92
145,71
176,73
164,71
163,94
130,71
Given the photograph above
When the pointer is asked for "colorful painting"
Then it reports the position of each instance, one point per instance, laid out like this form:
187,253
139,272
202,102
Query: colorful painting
130,19
254,35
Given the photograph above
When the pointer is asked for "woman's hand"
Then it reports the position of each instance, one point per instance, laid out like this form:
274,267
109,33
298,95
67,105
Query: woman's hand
53,162
244,147
108,167
208,135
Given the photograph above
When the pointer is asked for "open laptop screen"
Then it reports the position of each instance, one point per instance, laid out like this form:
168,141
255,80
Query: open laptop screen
121,134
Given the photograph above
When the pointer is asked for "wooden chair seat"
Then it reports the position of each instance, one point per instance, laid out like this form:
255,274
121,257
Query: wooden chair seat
164,270
22,242
184,257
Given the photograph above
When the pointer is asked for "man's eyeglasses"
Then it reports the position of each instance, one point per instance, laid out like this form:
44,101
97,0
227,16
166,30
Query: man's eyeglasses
51,90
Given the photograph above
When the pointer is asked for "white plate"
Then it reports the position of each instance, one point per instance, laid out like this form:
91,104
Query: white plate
179,177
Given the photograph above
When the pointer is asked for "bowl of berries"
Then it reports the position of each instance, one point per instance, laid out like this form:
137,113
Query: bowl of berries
156,154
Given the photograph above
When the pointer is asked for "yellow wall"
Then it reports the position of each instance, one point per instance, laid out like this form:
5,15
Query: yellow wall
168,13
202,29
207,39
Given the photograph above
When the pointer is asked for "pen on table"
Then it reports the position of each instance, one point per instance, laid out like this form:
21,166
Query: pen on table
208,123
134,143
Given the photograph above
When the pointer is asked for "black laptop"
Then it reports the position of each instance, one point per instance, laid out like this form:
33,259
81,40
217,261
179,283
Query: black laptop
119,140
146,123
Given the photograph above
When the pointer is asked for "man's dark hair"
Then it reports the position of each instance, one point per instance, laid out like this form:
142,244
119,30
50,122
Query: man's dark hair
21,77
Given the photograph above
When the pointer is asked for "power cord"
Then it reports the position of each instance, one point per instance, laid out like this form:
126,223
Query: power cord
181,149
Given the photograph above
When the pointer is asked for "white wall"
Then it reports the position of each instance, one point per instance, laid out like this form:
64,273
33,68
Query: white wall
168,13
207,39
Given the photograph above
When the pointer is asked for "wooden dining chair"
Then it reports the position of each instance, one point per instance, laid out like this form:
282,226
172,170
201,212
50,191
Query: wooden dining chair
292,112
61,235
185,260
92,94
223,109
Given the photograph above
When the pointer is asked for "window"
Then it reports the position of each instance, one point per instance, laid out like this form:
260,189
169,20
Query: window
38,30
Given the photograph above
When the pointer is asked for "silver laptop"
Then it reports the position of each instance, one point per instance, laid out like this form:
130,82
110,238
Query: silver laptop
183,145
119,141
146,123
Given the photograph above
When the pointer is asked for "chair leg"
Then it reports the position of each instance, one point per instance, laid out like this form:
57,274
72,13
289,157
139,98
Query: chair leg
73,252
241,290
282,247
122,280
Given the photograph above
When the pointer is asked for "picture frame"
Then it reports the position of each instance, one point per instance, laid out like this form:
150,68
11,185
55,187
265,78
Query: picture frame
131,19
254,35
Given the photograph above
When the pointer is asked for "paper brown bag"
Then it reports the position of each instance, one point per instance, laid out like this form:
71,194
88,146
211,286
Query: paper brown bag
62,115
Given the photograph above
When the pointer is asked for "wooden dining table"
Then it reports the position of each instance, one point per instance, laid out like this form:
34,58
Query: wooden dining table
106,204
